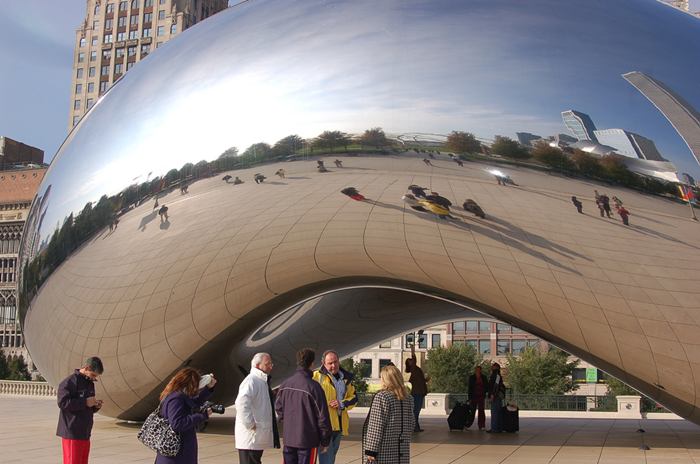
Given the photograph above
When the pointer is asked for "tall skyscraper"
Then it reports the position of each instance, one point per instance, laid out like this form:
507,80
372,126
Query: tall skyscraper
579,124
629,144
117,34
681,114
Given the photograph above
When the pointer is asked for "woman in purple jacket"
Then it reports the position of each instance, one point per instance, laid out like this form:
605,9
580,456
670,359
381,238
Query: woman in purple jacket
178,403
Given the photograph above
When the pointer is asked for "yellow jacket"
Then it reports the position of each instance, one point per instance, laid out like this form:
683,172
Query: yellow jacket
322,376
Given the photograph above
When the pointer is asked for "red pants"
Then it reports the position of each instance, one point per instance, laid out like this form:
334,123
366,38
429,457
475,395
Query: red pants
75,451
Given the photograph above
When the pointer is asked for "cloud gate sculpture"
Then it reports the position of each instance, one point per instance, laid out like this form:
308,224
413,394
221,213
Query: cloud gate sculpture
275,264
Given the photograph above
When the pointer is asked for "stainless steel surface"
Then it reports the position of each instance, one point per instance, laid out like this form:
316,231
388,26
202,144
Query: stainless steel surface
215,280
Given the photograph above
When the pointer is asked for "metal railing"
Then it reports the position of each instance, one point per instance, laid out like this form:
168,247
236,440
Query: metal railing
22,388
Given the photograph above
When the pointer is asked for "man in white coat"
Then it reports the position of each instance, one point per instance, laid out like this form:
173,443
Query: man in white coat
256,425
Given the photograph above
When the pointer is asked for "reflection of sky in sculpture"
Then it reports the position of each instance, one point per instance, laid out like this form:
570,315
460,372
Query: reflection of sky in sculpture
248,75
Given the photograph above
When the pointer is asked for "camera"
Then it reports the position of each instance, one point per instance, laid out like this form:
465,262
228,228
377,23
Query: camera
215,408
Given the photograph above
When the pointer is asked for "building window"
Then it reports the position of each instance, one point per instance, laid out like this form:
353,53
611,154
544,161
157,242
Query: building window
134,4
160,31
91,71
133,34
117,68
502,347
485,346
161,2
121,36
147,17
517,330
410,339
93,41
146,32
78,88
435,340
131,51
108,38
91,87
473,343
173,29
82,42
103,87
96,12
145,50
79,73
484,327
458,327
386,344
81,57
123,6
129,64
458,343
121,22
158,44
119,52
161,15
579,375
93,55
518,346
472,326
110,7
147,3
502,328
108,24
365,368
76,105
533,343
134,20
76,119
106,54
383,363
104,71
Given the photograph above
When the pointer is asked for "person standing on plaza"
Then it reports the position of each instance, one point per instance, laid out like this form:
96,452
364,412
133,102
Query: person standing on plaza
419,384
340,395
497,393
386,435
624,214
180,404
255,428
301,408
77,404
577,203
478,384
605,200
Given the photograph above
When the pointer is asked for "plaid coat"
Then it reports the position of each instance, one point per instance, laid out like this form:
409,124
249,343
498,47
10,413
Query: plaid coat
386,434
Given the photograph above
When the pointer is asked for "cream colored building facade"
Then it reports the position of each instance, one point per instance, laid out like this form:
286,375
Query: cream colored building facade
116,34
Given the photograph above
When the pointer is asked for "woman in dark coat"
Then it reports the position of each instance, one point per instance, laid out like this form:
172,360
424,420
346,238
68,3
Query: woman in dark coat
178,403
386,435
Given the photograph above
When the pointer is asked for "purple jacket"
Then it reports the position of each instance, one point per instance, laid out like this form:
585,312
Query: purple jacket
177,408
302,409
75,419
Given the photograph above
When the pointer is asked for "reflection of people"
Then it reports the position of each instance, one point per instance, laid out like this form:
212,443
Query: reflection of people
478,384
155,205
353,193
474,208
280,172
577,203
336,383
459,162
616,202
624,214
435,197
237,181
178,402
419,385
77,404
302,409
163,213
321,166
255,418
417,190
497,393
338,163
605,200
386,435
427,162
226,178
259,178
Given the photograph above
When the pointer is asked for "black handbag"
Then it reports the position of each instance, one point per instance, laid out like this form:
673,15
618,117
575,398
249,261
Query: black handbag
157,434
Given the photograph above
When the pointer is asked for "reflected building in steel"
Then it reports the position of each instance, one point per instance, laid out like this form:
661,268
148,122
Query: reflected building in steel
353,200
580,125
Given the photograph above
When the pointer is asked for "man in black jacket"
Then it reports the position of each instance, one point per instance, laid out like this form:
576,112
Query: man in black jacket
478,386
77,402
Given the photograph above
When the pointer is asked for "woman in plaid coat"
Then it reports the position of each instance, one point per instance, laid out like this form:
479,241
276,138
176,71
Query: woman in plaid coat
386,435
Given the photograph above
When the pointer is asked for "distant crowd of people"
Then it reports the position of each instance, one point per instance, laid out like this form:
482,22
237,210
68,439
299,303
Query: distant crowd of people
602,201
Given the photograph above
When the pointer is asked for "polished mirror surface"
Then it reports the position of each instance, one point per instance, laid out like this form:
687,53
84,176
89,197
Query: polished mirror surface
331,173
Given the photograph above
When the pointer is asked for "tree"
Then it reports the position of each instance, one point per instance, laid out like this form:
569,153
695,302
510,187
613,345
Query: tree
535,372
617,387
374,137
463,142
449,368
18,369
229,153
332,139
509,148
171,176
258,151
355,368
587,164
288,145
552,157
4,367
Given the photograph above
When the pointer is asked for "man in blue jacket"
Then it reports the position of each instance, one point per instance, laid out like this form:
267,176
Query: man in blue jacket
77,402
302,409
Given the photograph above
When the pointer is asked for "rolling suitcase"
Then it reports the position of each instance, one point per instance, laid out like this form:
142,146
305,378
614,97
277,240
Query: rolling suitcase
470,417
511,420
458,417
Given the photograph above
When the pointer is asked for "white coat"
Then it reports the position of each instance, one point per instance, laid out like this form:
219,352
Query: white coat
253,408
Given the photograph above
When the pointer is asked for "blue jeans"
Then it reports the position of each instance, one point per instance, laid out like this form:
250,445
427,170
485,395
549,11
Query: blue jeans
496,419
418,401
329,456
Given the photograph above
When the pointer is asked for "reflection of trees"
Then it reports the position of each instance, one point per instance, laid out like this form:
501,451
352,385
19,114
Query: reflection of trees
374,137
509,148
329,140
463,142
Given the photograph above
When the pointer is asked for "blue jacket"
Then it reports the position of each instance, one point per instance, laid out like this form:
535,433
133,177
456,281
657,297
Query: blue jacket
75,419
178,409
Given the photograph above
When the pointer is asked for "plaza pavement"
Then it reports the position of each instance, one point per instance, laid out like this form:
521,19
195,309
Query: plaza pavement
28,426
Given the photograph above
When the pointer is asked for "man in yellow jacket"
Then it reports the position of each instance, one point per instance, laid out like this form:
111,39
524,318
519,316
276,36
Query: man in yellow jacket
336,383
